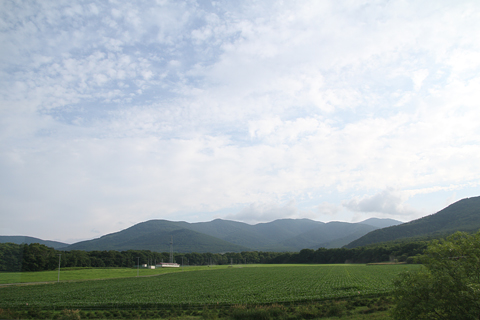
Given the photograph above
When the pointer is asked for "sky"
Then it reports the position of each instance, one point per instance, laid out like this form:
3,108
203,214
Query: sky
118,112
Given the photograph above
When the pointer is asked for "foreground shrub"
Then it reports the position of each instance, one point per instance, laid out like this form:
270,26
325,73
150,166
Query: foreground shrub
8,314
70,315
449,285
259,312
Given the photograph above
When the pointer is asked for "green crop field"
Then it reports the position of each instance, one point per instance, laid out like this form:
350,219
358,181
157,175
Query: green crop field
221,286
71,274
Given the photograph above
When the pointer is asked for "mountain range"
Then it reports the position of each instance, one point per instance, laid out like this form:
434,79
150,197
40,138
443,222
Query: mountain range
219,235
230,236
28,240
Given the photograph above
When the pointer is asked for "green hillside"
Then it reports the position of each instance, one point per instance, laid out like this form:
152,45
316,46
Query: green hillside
463,215
286,234
219,236
218,228
155,235
234,232
329,235
381,223
354,232
28,240
268,236
284,229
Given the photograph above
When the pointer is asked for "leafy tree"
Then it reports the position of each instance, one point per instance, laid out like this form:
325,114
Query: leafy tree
37,257
11,256
449,285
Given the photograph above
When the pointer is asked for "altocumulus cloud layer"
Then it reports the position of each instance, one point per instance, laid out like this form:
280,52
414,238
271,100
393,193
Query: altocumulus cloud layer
112,113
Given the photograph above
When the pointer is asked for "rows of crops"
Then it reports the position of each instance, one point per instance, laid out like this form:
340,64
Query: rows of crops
222,286
68,274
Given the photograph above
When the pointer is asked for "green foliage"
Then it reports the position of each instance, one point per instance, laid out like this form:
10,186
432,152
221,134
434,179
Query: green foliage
449,285
27,257
70,315
275,311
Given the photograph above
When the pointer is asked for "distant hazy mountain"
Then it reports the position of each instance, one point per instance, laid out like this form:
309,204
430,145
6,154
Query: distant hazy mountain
233,232
28,240
262,237
283,234
463,215
342,233
279,235
336,234
381,223
155,235
229,236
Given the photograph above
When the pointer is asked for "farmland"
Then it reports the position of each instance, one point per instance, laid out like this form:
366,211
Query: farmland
72,274
220,286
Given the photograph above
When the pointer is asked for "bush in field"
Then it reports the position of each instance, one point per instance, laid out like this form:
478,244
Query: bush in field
259,312
70,315
8,314
336,310
309,312
449,285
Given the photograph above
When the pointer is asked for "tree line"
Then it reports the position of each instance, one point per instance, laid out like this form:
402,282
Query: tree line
38,257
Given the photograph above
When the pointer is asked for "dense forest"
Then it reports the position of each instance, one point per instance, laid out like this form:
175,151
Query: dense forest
38,257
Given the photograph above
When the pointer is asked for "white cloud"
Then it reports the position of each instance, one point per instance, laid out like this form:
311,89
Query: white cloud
265,212
389,201
261,128
129,111
418,78
328,209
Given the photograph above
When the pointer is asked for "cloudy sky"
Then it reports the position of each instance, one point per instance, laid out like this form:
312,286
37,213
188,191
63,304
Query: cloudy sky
114,113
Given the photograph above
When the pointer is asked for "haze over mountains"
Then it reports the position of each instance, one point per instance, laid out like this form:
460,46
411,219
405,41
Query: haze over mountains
219,235
231,236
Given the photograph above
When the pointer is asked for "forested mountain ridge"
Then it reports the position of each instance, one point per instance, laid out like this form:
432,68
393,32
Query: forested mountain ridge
223,236
463,215
228,236
271,236
155,235
28,240
329,235
381,223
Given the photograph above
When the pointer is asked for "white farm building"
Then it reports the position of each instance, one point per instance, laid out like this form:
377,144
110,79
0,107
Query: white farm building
167,265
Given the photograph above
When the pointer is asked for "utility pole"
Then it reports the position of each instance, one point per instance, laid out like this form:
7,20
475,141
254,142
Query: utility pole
59,255
171,250
138,265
